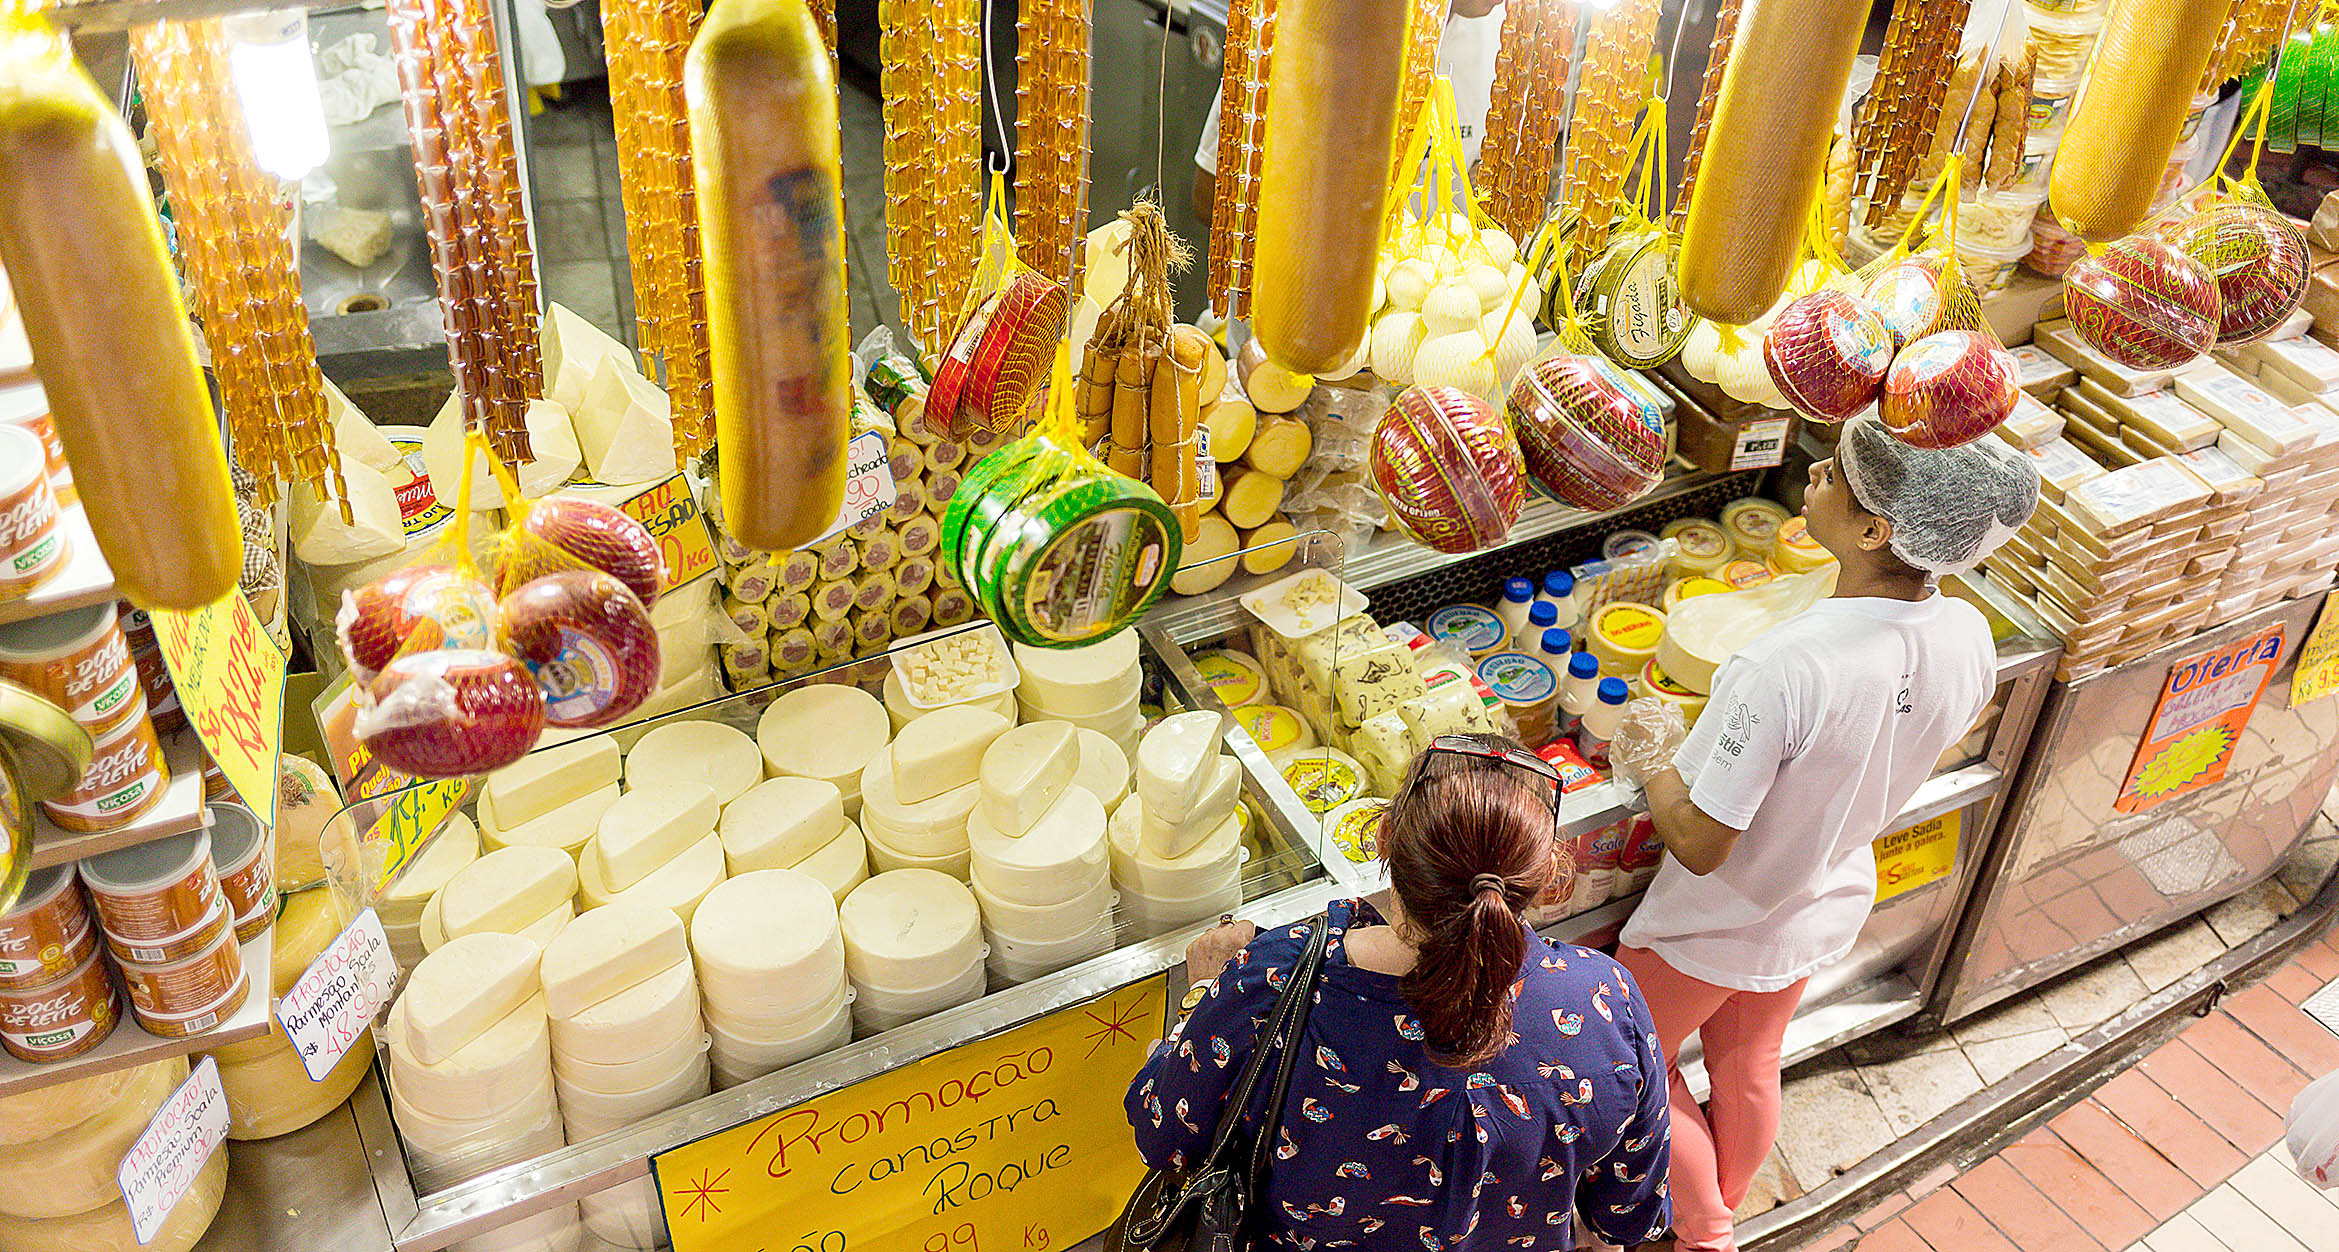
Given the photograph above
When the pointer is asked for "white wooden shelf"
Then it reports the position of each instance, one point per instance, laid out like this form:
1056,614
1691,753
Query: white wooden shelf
129,1045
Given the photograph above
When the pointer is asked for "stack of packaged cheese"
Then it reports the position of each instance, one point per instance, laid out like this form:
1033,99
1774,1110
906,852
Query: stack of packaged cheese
59,1147
771,965
913,947
470,1051
1177,839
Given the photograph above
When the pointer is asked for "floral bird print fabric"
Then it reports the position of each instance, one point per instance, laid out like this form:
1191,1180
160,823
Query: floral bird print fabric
1379,1144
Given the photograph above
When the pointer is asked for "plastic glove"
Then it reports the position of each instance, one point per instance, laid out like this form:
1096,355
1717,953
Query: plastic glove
2312,1132
1647,735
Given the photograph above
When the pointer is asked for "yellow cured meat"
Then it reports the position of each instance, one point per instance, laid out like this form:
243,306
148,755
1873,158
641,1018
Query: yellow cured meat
2124,128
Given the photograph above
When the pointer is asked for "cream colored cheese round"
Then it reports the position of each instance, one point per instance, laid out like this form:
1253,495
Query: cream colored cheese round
678,885
1012,961
648,1014
627,1215
456,846
1204,869
1044,923
924,828
769,938
910,928
432,931
841,865
515,1114
679,1086
1104,767
900,712
1085,680
780,821
965,985
630,1075
1118,720
827,731
720,756
747,1021
1061,857
106,1228
738,1059
512,1055
72,1169
270,1094
884,857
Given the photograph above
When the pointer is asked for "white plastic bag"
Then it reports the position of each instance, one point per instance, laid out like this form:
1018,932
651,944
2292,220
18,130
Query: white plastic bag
2312,1132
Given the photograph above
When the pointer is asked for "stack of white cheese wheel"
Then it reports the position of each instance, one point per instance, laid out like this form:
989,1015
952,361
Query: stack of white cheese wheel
1095,686
407,901
59,1148
529,892
913,947
826,731
918,791
771,962
1177,841
550,799
798,824
901,712
1037,841
471,1061
627,1041
656,847
268,1089
722,757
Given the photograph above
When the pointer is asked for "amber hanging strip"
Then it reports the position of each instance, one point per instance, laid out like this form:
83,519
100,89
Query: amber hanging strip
1614,86
1894,128
931,78
1708,93
1051,135
234,222
1520,144
1242,129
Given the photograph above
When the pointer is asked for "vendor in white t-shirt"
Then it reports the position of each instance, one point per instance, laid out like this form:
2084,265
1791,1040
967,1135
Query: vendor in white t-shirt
1466,51
1816,736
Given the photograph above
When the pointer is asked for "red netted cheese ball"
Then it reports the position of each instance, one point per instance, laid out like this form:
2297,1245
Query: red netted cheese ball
417,609
1827,352
588,641
1589,440
1920,296
563,533
1449,468
2144,303
1949,388
2259,260
450,712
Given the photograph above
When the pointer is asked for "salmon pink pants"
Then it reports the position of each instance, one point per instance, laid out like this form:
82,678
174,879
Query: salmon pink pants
1716,1152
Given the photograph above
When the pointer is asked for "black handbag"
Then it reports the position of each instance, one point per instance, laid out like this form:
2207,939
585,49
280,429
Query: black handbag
1208,1207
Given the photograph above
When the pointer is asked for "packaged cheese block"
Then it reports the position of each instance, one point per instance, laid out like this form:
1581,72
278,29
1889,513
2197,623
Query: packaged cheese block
900,712
780,821
1008,923
1104,767
1174,760
1384,747
513,1055
649,826
1211,865
1370,683
2305,363
826,731
653,1064
505,891
625,427
768,947
942,751
458,992
676,886
1090,680
543,781
642,1017
2043,375
2275,430
2031,423
1024,771
71,1170
2167,417
910,929
2137,496
269,1093
2061,341
606,951
107,1228
565,828
1171,830
1059,857
2222,394
933,827
2228,482
2062,467
726,760
320,536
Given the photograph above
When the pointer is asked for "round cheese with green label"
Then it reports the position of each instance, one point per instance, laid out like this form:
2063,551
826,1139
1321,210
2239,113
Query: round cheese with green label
1631,301
1093,552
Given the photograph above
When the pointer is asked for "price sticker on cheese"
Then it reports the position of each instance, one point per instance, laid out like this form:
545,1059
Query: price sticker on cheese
671,514
186,1130
870,490
338,995
1760,445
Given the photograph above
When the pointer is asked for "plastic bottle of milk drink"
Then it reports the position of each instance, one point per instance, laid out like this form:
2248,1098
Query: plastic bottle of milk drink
1558,650
1600,721
1518,597
1580,692
1559,591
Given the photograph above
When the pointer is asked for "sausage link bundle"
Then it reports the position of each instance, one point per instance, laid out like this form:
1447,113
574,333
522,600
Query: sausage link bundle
2124,128
763,138
109,333
1766,154
1337,78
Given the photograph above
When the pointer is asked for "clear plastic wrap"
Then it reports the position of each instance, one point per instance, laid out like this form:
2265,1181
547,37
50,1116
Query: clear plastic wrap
2259,261
1950,388
1648,732
2144,303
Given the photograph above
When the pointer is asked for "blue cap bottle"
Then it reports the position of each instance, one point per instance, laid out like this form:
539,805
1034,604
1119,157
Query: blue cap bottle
1559,583
1585,665
1557,644
1542,614
1613,690
1518,591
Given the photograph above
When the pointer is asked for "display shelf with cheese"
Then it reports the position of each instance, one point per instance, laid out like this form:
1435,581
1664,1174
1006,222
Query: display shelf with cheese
179,811
130,1045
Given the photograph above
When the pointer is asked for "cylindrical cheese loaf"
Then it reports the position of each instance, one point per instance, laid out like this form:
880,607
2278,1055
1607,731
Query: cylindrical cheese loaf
101,307
2125,126
763,131
1766,153
1332,101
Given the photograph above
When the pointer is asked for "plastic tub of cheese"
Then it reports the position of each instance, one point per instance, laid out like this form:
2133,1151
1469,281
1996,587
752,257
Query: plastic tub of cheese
2050,105
1044,923
1989,269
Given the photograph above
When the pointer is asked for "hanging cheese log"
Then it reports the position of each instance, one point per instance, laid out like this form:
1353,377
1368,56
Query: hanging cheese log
2124,127
1051,135
1332,108
932,82
764,143
1516,154
1615,83
1242,124
232,219
108,331
1709,90
1766,155
647,40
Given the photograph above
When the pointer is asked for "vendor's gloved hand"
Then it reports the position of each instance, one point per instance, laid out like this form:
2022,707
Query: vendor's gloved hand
1647,735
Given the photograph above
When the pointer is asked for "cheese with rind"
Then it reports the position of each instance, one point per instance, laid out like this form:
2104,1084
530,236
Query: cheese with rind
723,758
607,950
678,885
1025,770
542,781
71,1170
943,751
506,890
649,826
779,822
458,992
107,1228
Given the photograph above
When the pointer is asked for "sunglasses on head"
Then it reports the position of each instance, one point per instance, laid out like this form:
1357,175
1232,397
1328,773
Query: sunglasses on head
1489,749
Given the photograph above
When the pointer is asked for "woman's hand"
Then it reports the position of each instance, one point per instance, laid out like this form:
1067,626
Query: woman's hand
1213,948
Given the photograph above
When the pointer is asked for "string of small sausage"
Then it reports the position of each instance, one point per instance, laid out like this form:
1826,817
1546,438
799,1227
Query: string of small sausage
233,220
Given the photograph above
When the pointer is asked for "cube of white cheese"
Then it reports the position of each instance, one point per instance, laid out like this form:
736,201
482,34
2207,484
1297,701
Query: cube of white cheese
625,426
1174,760
1024,771
506,890
649,826
943,750
540,782
468,985
573,350
321,537
608,950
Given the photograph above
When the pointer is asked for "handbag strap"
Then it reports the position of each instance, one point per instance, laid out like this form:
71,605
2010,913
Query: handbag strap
1282,1027
1298,994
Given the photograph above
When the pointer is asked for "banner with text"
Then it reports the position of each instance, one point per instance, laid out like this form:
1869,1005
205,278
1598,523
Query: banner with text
2204,704
230,679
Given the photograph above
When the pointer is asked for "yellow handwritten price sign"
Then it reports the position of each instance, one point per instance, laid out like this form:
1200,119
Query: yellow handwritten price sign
673,517
230,678
2317,674
1015,1143
1923,853
407,821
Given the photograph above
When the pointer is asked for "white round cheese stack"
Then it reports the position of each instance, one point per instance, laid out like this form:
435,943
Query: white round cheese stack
741,1054
1050,875
471,1058
656,846
841,865
722,757
527,891
913,946
550,798
1095,686
827,731
622,997
404,901
924,822
901,712
771,955
1104,768
1160,894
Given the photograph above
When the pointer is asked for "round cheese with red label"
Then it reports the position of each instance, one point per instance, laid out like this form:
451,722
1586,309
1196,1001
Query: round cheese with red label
2144,303
589,643
1449,468
561,533
2259,260
998,358
417,609
1588,438
452,711
1950,388
1827,353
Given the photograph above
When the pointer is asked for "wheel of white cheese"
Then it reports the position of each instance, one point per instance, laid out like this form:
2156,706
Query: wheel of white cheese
505,891
1061,857
723,758
827,731
909,929
72,1169
678,885
532,1128
1104,767
934,827
779,822
456,845
1154,917
842,865
432,932
1044,923
631,1075
1118,721
748,1033
770,939
648,1015
106,1228
885,858
516,1114
1083,681
1012,962
736,1061
683,1084
515,1054
900,712
1207,868
967,984
542,931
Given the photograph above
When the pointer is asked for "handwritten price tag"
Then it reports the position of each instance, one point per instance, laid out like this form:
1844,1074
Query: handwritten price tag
230,678
871,490
409,819
186,1130
672,515
336,998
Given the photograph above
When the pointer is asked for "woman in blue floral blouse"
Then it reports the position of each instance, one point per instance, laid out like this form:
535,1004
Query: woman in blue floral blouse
1462,1083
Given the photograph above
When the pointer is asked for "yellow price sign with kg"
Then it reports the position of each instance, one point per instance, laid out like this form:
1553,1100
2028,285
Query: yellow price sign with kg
1014,1143
230,679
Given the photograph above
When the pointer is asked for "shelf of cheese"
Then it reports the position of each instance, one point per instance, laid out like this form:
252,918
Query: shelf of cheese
179,811
83,580
129,1045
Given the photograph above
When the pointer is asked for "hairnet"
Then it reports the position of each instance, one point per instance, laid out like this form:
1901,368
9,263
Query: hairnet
1949,507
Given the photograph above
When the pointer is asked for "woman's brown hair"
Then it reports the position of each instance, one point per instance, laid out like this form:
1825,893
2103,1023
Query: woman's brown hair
1470,842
